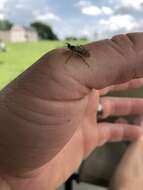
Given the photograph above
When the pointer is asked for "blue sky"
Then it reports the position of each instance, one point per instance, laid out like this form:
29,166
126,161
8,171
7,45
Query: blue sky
95,19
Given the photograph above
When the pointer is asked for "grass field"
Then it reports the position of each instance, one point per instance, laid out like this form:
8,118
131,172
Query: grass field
20,56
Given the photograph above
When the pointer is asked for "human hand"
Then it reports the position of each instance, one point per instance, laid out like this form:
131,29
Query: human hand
129,173
48,114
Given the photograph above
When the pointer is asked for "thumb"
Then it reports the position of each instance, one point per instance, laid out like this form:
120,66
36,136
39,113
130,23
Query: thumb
132,161
129,173
134,154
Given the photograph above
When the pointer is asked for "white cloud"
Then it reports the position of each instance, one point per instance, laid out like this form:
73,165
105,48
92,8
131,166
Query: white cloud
88,8
47,17
91,10
132,3
83,3
20,6
104,17
139,26
85,32
2,6
118,22
1,16
2,3
94,10
107,10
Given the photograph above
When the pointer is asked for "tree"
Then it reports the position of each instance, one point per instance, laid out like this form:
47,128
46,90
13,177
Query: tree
5,25
83,38
71,38
44,31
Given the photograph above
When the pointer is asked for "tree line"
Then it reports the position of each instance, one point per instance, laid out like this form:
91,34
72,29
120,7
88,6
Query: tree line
44,31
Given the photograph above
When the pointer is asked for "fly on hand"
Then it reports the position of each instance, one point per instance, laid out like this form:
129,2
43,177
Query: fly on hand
80,51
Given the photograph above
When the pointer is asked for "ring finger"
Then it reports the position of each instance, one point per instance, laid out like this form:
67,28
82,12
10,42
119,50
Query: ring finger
121,106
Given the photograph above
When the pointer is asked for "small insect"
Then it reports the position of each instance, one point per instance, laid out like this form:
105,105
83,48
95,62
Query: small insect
79,51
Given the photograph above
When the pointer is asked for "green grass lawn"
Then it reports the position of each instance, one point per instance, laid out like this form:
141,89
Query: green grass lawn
20,56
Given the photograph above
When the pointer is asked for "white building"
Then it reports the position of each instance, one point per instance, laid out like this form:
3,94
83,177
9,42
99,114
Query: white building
19,34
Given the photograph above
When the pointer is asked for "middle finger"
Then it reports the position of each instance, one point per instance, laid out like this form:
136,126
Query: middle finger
121,106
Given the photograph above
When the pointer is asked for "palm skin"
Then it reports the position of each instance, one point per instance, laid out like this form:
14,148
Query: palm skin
48,114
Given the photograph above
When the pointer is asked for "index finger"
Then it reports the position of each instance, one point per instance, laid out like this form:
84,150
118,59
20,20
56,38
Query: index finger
119,59
132,84
111,61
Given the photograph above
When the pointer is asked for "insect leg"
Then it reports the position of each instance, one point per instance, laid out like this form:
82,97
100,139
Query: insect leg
83,59
69,58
